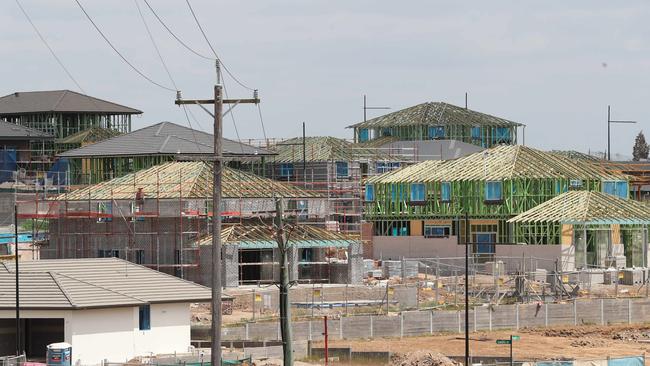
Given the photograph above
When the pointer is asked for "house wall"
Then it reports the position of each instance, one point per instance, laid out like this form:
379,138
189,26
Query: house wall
113,334
395,247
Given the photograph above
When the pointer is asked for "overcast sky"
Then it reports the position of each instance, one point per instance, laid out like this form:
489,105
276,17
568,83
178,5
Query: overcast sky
553,65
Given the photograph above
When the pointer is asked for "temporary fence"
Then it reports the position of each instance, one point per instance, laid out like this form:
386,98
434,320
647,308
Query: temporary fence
417,323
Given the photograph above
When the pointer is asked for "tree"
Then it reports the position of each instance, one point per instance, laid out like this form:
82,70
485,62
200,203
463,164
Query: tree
640,149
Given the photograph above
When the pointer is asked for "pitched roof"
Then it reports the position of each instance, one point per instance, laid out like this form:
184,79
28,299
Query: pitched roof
259,236
186,179
12,131
92,283
325,148
587,207
434,113
499,163
164,138
90,135
59,101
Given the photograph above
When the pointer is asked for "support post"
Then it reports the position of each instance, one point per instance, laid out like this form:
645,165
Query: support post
285,306
19,348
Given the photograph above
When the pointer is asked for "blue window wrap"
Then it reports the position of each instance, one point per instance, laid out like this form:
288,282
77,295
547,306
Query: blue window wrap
286,170
436,132
341,169
144,317
383,167
502,134
560,187
417,192
363,135
370,192
445,191
397,193
476,133
493,191
616,188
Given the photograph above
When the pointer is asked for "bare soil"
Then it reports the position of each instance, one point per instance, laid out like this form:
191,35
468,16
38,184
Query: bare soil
582,342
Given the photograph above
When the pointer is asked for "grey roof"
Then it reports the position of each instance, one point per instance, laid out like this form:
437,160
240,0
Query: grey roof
12,131
59,101
164,138
92,283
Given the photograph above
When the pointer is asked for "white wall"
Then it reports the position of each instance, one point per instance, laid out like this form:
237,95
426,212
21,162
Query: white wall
113,334
395,247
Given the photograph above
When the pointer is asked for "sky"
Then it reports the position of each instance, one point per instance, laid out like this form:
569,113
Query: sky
553,65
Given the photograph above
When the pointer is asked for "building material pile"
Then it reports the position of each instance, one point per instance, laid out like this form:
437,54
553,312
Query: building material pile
422,358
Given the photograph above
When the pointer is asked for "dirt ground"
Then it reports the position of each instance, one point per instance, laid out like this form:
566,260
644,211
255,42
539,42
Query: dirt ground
582,342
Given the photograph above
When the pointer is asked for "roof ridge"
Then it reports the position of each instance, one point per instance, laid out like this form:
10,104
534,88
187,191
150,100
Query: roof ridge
60,99
61,287
98,286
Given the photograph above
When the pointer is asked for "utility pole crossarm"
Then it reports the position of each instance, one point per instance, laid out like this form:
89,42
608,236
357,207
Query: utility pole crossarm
211,101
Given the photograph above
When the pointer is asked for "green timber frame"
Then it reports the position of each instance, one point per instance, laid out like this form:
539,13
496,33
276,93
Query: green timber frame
99,169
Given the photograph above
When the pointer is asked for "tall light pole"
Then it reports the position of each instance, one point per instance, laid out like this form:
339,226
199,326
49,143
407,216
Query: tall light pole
609,122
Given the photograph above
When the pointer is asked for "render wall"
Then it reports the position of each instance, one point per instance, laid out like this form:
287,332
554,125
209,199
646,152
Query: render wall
396,247
113,334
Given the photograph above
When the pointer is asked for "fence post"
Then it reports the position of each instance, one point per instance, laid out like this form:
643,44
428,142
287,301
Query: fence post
459,326
490,318
474,311
279,332
371,327
546,314
517,316
629,311
401,325
602,311
310,336
430,321
246,337
341,327
575,312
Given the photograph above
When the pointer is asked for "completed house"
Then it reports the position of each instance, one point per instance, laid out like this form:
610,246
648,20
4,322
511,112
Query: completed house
108,309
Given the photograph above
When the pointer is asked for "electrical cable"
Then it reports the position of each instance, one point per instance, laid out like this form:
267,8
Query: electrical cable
155,46
58,60
118,52
212,48
174,35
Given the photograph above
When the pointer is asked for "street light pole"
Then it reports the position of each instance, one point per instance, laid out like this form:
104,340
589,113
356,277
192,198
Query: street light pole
609,122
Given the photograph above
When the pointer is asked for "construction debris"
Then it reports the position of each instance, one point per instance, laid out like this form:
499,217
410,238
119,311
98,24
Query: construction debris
422,358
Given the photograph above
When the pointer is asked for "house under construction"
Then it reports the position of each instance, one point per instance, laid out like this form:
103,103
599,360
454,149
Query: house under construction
419,211
157,217
316,255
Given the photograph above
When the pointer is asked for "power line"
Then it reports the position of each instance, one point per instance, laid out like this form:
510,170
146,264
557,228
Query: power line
155,46
259,109
118,52
174,35
212,48
58,60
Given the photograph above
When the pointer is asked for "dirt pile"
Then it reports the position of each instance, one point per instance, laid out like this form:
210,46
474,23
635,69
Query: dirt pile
422,358
587,343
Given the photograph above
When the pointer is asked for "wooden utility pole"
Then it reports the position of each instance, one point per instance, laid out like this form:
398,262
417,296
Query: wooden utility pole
217,158
285,306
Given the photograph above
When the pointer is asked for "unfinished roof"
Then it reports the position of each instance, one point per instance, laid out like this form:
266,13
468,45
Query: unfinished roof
92,283
164,138
584,207
263,237
89,136
435,114
60,101
325,148
187,180
12,131
499,163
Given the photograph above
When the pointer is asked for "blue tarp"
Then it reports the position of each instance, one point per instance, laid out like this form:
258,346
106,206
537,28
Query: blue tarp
58,174
626,361
554,363
7,164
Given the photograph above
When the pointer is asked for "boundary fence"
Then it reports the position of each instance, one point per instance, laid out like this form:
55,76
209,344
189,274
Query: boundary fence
417,323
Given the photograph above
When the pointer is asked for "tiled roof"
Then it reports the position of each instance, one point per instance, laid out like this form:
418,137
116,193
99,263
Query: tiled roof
59,101
12,131
164,138
92,283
